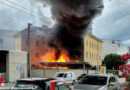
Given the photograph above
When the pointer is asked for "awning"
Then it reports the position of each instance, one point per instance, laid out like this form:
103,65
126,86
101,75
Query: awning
72,65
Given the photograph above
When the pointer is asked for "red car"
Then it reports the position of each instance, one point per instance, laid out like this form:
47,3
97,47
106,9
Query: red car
40,84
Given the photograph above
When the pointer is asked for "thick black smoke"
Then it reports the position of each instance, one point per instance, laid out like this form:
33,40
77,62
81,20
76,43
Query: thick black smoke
73,18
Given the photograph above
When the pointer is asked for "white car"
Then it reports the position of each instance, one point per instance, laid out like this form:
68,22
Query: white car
68,77
98,82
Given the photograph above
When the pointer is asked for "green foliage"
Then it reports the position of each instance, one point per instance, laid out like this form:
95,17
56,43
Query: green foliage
113,71
128,78
113,61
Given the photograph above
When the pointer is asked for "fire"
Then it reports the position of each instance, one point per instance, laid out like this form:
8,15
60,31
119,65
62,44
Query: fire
50,56
63,57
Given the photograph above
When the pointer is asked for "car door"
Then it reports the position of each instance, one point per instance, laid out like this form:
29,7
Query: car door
112,80
61,86
68,78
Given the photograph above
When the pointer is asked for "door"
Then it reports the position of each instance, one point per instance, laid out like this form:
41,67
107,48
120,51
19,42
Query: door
68,78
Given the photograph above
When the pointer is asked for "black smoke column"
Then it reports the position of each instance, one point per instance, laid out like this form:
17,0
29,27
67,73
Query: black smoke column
73,17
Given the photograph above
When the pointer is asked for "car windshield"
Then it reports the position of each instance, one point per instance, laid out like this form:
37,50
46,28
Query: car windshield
35,85
94,80
58,75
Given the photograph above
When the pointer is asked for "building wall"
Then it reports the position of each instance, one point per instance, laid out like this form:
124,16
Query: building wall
123,49
110,46
47,73
16,66
92,50
18,43
37,43
6,36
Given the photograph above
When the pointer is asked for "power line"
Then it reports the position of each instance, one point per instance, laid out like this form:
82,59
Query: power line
24,8
16,8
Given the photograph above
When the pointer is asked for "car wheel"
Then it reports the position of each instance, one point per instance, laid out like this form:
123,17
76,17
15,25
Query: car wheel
73,83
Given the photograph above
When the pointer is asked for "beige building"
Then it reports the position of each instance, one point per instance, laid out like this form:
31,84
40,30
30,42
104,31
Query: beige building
92,50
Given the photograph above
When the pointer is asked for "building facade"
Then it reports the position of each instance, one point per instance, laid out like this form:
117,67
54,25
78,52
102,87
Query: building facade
37,42
92,50
113,46
7,39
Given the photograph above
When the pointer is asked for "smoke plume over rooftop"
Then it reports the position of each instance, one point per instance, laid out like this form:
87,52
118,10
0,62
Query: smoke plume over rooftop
73,17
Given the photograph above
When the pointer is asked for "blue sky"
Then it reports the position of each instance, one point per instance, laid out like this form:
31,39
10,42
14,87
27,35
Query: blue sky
113,23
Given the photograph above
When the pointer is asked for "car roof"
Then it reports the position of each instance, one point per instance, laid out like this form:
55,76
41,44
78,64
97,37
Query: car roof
37,79
106,75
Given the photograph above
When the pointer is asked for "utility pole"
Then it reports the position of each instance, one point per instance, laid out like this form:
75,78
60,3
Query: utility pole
97,67
29,50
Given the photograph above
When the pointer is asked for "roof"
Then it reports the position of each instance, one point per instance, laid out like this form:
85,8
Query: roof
72,65
33,29
13,51
95,37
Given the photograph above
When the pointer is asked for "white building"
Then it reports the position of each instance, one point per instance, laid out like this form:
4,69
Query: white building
7,39
113,46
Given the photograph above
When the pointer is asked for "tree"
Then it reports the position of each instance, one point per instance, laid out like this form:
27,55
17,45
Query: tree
113,61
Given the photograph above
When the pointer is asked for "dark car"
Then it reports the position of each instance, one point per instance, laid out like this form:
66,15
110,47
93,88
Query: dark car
79,77
40,84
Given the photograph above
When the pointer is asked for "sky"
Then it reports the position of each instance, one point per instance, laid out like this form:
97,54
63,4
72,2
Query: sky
112,24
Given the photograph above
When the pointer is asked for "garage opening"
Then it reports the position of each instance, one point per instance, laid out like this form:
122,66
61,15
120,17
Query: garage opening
3,55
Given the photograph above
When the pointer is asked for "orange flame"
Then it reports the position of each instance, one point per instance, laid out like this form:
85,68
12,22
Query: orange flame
50,56
63,57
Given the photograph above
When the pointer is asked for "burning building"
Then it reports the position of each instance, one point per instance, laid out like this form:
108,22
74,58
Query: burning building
65,42
73,18
41,51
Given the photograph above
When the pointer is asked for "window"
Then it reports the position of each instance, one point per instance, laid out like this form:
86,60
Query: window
37,54
68,75
37,43
1,44
90,55
94,80
90,43
87,42
61,86
112,80
87,54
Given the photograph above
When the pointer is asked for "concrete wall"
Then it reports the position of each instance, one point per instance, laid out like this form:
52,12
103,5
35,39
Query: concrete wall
110,46
47,73
16,65
123,49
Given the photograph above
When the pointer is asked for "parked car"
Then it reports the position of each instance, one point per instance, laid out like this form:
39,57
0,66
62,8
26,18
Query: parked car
81,76
68,77
98,82
40,84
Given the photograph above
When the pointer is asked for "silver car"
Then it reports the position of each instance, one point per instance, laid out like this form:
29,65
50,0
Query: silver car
98,82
